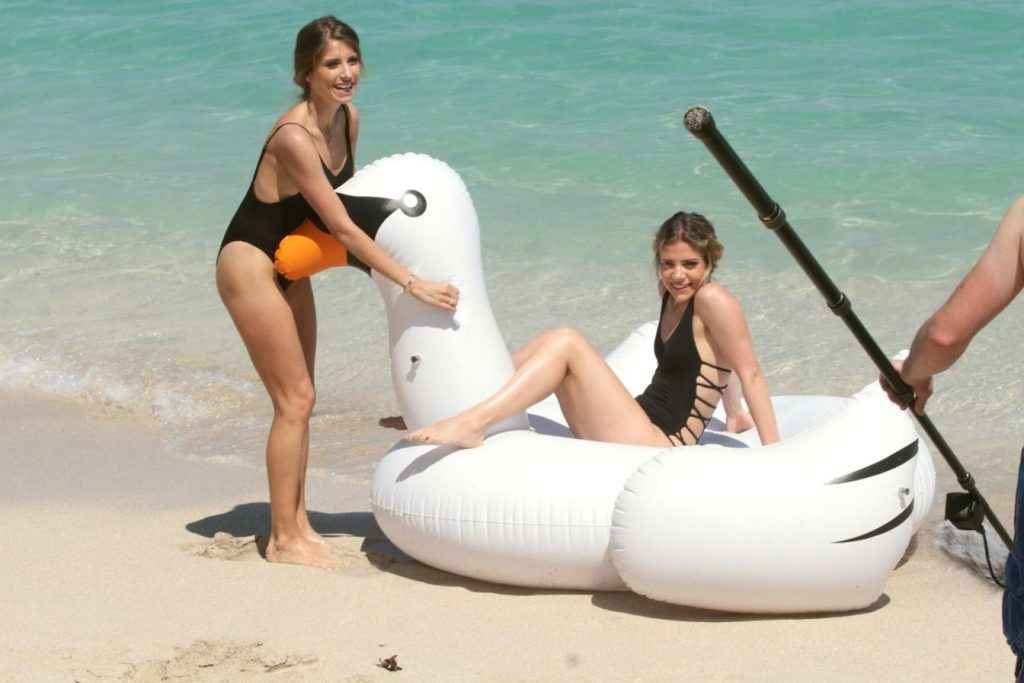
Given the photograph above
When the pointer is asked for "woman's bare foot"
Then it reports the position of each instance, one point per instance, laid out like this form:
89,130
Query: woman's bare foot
298,551
312,536
740,422
307,530
455,431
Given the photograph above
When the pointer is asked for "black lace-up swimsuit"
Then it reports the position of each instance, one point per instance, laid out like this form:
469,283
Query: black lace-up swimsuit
671,398
263,224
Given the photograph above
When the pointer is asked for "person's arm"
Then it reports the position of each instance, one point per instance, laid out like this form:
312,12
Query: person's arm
737,419
729,335
993,282
294,150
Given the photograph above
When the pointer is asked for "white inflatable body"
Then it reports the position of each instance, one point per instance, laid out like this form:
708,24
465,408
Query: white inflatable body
814,523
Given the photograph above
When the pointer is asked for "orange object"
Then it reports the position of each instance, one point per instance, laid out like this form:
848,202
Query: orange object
308,250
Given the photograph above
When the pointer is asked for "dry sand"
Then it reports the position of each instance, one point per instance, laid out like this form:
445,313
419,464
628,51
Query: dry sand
122,561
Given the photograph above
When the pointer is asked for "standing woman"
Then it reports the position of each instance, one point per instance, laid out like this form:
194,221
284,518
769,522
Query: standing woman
307,155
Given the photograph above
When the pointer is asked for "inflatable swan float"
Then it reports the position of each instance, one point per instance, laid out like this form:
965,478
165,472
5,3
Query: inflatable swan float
813,523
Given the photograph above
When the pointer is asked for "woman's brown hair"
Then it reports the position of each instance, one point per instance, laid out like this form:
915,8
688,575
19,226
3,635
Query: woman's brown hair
311,42
693,229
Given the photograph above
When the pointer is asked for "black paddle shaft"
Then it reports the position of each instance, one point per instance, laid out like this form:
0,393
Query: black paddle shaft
699,122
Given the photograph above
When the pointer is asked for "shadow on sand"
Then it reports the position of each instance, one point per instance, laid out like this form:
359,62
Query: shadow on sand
632,603
253,519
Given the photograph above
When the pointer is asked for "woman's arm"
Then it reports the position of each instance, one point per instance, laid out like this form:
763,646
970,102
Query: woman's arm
994,281
295,152
737,419
729,335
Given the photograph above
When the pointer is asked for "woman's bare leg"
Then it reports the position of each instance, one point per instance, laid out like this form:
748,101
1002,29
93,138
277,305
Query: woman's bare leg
300,298
266,324
594,401
518,358
522,355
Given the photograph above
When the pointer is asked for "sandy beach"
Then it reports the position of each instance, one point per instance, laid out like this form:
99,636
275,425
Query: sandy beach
133,423
126,562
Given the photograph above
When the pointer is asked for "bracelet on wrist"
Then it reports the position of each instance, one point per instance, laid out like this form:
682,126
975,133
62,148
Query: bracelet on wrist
408,283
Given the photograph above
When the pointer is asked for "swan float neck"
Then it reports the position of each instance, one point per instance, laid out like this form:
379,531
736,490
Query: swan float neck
441,363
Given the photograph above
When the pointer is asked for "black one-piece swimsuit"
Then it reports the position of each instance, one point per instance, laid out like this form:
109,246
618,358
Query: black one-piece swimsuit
670,400
264,224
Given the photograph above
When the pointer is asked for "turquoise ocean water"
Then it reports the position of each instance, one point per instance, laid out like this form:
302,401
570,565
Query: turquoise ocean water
890,133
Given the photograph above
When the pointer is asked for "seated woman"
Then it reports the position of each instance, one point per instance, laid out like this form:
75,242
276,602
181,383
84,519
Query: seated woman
702,340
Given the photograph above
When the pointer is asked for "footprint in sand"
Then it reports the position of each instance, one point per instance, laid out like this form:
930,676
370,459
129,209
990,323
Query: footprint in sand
224,546
206,660
349,558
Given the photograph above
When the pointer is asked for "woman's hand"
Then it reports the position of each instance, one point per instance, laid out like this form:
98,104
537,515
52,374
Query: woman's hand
739,422
441,294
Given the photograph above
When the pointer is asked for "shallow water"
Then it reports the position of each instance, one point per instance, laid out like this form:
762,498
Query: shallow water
890,134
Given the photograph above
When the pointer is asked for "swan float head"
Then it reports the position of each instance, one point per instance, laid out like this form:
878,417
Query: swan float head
441,363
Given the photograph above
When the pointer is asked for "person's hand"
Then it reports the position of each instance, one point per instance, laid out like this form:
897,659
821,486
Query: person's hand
739,422
441,294
922,389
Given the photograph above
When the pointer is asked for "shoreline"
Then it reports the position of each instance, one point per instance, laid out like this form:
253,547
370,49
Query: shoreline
134,564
